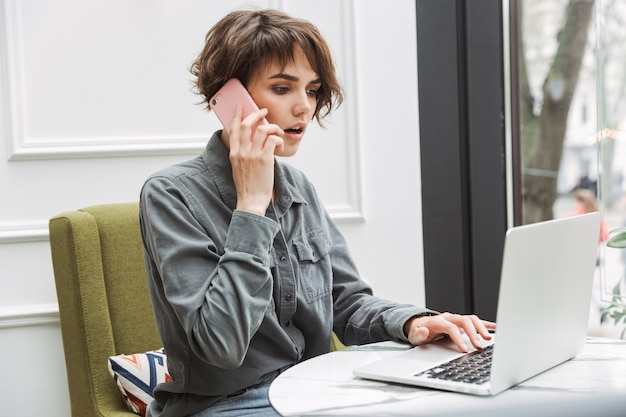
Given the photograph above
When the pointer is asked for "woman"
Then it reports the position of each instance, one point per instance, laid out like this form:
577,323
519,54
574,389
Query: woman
247,272
585,202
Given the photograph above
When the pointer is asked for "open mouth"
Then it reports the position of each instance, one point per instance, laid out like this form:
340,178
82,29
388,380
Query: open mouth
294,130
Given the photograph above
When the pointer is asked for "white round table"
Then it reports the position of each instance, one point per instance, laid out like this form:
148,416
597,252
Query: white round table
592,384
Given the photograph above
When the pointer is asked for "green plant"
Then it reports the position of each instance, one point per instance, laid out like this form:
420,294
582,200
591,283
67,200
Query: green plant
617,238
617,306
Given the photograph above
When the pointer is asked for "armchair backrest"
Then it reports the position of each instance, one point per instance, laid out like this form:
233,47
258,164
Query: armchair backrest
104,305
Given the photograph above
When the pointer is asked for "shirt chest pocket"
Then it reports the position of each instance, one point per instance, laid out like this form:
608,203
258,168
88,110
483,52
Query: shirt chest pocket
314,266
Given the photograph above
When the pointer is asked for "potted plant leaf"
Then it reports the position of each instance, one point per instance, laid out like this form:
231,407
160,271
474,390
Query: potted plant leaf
616,309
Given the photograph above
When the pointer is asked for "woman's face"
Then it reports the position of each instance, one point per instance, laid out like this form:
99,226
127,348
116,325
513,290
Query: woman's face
290,96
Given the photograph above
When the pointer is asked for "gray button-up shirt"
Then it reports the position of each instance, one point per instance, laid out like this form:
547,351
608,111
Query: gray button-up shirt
238,296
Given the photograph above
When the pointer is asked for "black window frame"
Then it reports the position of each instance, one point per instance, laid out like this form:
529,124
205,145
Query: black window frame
463,152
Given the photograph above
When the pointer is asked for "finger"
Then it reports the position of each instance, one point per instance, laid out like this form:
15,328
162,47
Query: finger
251,121
483,327
477,330
419,335
273,143
242,141
235,127
480,327
264,137
466,329
473,328
455,334
452,325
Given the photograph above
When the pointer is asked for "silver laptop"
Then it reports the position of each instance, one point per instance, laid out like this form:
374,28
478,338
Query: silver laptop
542,316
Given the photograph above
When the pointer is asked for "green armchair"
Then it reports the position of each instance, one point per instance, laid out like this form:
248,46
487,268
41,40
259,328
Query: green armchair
104,304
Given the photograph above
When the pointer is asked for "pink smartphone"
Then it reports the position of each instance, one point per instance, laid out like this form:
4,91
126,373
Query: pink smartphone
223,103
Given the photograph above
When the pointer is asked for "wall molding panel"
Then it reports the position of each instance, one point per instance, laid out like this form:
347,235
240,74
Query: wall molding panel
61,142
25,316
23,147
353,151
24,233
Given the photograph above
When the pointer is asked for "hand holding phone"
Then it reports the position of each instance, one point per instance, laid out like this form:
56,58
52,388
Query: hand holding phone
231,94
253,176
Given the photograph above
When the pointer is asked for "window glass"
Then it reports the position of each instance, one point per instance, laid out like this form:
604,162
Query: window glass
571,85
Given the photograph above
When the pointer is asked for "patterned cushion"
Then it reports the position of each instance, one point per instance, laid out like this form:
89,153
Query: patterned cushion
137,375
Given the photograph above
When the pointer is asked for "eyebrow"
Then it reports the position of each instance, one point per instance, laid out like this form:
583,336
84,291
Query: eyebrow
292,78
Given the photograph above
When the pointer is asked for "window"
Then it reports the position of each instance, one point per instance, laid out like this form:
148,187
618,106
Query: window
521,104
571,101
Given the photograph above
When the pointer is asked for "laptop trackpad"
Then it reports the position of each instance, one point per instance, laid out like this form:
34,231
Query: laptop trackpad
426,356
415,360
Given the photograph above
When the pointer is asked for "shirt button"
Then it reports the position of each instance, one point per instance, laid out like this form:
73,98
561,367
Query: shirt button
287,323
283,258
288,297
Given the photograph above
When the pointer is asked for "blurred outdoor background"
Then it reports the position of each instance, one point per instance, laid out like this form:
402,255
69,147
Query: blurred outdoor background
572,110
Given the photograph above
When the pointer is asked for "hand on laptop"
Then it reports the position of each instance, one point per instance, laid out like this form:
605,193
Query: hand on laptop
424,329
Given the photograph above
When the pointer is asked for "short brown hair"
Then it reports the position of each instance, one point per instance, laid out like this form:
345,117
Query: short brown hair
243,41
587,199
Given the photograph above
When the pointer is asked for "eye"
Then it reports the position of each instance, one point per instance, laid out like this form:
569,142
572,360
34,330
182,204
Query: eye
312,92
280,90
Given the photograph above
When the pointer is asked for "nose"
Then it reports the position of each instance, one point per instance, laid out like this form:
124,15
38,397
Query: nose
302,104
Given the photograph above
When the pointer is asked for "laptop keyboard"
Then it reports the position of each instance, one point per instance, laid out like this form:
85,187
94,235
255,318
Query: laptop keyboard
473,368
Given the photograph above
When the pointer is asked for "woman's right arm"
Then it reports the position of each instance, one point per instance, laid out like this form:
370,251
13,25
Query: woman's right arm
218,287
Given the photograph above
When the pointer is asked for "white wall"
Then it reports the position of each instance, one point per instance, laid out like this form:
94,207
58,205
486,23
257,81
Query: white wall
94,97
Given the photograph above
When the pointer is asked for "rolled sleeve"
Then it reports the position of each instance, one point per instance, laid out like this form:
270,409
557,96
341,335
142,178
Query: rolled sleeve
396,318
251,234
